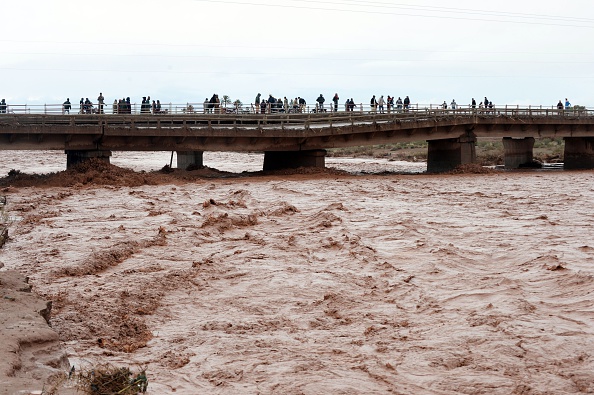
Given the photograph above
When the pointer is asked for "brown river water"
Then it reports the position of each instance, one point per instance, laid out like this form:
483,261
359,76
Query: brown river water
358,280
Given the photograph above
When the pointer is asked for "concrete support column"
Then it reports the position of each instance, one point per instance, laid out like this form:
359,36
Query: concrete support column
517,152
74,157
186,159
446,154
579,153
276,160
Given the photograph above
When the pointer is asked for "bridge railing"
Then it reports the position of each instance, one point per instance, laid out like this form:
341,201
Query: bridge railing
415,110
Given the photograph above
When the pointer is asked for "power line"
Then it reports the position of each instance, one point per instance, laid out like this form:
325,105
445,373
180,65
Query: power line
317,58
383,12
333,48
292,74
463,10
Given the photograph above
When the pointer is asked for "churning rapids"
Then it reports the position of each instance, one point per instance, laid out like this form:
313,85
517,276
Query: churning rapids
361,281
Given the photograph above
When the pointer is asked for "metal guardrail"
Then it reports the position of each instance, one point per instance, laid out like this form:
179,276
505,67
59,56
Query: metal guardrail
189,109
313,121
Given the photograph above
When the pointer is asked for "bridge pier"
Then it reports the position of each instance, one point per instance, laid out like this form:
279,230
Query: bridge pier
277,160
579,153
446,154
517,152
190,158
74,157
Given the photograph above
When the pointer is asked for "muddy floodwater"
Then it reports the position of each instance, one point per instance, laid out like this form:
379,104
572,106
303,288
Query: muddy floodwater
354,281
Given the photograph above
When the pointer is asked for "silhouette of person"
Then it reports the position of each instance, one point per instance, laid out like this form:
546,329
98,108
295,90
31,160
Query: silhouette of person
373,104
257,102
66,106
100,101
320,101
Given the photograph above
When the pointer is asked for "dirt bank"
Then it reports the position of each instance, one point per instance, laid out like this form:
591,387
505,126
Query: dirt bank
31,354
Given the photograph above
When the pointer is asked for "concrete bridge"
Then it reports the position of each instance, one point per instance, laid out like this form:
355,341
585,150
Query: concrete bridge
293,140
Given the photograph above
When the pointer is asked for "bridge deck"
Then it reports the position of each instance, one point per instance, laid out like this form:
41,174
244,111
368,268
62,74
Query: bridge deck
279,132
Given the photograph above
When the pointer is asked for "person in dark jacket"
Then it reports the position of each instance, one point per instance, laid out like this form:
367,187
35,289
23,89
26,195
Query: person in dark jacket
263,107
351,105
373,104
257,102
406,103
302,104
320,101
66,106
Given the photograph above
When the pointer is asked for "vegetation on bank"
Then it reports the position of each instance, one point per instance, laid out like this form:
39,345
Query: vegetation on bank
489,151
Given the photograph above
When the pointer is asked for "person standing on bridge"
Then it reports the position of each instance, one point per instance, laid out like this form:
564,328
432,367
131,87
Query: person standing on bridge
567,104
302,104
335,99
453,104
352,105
257,102
320,101
406,103
373,104
3,106
381,104
473,103
66,106
87,106
100,101
559,105
486,102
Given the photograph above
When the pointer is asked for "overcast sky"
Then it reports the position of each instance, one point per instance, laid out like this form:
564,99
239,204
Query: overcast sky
514,52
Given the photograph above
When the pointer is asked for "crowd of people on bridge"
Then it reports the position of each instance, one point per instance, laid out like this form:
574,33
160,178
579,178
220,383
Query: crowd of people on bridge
386,104
272,105
120,106
486,104
299,105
